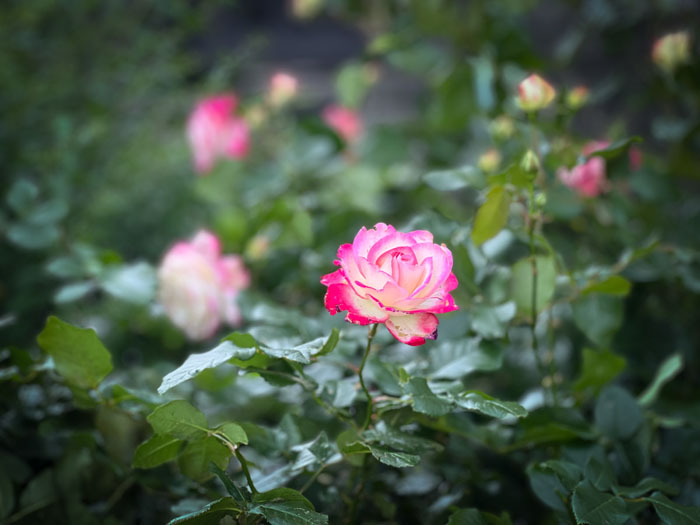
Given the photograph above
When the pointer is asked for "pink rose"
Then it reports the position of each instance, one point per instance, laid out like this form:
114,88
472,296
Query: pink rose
399,279
214,131
344,121
198,286
283,88
535,93
588,179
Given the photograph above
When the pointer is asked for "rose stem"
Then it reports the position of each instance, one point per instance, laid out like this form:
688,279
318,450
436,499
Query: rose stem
370,335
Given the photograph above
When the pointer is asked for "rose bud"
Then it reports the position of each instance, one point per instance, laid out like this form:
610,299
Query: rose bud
535,93
282,89
577,97
489,161
671,50
399,279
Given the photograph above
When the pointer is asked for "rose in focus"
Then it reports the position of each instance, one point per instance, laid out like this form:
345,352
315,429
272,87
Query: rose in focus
198,286
214,131
399,279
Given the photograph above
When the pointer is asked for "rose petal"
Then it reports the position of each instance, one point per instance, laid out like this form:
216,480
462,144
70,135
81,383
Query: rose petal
365,239
413,329
340,297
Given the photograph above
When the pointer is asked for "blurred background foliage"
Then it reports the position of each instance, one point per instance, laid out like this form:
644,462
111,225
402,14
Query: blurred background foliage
98,183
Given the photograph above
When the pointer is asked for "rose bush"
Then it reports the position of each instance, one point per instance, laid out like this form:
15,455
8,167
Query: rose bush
399,279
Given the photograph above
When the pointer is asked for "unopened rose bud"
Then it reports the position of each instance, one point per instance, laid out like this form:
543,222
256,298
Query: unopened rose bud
530,163
502,127
256,115
577,97
283,88
671,50
535,93
541,200
489,161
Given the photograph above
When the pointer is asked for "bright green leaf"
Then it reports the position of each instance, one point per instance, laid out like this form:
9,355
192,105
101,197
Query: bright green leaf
78,354
613,285
598,369
671,366
197,455
157,450
179,419
330,343
195,363
489,406
492,215
234,433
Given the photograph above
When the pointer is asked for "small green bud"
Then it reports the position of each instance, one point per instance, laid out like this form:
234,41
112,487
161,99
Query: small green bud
541,200
530,163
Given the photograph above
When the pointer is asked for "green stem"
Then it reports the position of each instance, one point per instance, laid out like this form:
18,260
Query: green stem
244,467
533,297
370,406
550,346
311,480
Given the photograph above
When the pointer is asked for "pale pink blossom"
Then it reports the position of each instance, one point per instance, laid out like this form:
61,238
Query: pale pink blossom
535,93
214,131
344,121
283,88
588,179
198,286
399,279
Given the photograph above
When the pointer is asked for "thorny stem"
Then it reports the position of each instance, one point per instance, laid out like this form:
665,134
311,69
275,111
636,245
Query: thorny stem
244,467
370,406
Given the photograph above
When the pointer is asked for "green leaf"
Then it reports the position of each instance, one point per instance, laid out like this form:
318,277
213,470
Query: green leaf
492,215
489,406
74,291
195,363
598,369
330,343
352,84
22,196
230,486
547,486
78,354
598,316
492,321
212,514
135,283
179,419
33,236
285,506
466,517
234,433
569,474
593,507
671,366
616,148
617,413
424,401
392,438
672,513
157,450
600,473
522,280
613,285
394,458
456,359
644,486
198,454
454,179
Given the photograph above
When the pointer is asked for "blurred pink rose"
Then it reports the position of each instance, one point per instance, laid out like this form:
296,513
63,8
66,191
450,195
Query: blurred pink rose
399,279
535,93
344,121
214,131
198,286
283,88
588,179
